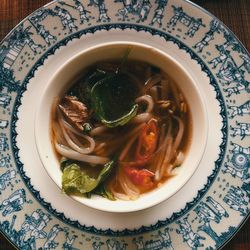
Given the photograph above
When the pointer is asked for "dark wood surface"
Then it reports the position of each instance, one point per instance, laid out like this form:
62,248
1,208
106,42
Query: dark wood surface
234,13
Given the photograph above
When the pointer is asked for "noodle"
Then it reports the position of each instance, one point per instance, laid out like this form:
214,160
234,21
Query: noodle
143,117
145,140
98,130
129,144
158,172
73,145
71,154
179,134
150,83
149,100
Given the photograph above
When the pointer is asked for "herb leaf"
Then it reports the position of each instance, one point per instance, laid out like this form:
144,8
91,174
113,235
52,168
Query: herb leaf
75,180
104,192
113,98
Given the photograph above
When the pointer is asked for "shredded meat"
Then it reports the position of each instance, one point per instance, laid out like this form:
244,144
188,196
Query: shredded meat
75,111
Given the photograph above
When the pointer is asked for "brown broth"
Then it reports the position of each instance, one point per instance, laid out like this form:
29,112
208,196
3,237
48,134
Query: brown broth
141,71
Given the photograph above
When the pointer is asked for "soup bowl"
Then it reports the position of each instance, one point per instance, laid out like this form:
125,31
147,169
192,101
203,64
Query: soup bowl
66,75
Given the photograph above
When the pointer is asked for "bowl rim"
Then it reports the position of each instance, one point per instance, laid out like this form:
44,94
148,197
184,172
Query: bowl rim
120,208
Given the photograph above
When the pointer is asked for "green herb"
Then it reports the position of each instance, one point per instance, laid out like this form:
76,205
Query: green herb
87,127
124,58
65,162
109,93
75,180
112,99
102,191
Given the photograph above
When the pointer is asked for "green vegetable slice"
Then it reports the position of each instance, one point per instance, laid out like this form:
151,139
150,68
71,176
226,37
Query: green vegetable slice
75,180
112,99
104,192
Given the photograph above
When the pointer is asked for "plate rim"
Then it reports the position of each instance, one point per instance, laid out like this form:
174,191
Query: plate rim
191,3
143,229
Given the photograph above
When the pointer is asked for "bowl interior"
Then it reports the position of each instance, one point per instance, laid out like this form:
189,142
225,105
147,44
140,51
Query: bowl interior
66,75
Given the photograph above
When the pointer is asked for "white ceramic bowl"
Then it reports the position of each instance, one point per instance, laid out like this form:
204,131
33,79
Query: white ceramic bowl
66,75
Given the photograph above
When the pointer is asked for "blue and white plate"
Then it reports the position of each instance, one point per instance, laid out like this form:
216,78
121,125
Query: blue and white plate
207,211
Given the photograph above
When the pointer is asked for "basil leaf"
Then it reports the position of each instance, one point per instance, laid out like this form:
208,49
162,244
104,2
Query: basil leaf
112,99
108,167
104,192
75,180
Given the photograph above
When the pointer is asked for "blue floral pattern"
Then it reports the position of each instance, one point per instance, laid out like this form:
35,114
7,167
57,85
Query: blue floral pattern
228,69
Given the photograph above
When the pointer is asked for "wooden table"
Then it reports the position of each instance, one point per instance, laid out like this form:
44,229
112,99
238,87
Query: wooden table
234,13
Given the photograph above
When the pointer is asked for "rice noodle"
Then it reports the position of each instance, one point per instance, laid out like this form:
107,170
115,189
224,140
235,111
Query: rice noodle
169,169
100,146
118,195
125,137
176,95
58,133
149,100
126,188
158,173
179,159
158,153
153,93
150,83
98,130
167,157
143,117
131,185
130,143
113,144
165,89
156,92
71,154
172,146
179,134
73,145
72,129
126,148
90,140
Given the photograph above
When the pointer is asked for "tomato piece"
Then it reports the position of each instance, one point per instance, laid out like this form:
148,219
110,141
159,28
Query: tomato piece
147,141
141,177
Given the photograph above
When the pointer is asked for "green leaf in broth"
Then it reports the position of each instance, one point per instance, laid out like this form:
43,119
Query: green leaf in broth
125,58
103,191
95,76
122,120
112,99
82,89
105,172
75,180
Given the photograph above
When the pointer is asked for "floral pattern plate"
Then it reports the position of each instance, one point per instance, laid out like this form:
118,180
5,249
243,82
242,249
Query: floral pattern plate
207,211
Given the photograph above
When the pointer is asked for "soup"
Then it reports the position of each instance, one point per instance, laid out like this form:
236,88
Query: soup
120,130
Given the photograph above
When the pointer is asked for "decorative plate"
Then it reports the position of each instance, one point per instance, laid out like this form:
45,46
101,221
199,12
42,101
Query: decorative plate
207,211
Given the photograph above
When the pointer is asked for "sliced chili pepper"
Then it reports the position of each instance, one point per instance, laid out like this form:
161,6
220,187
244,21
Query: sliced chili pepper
141,177
147,141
